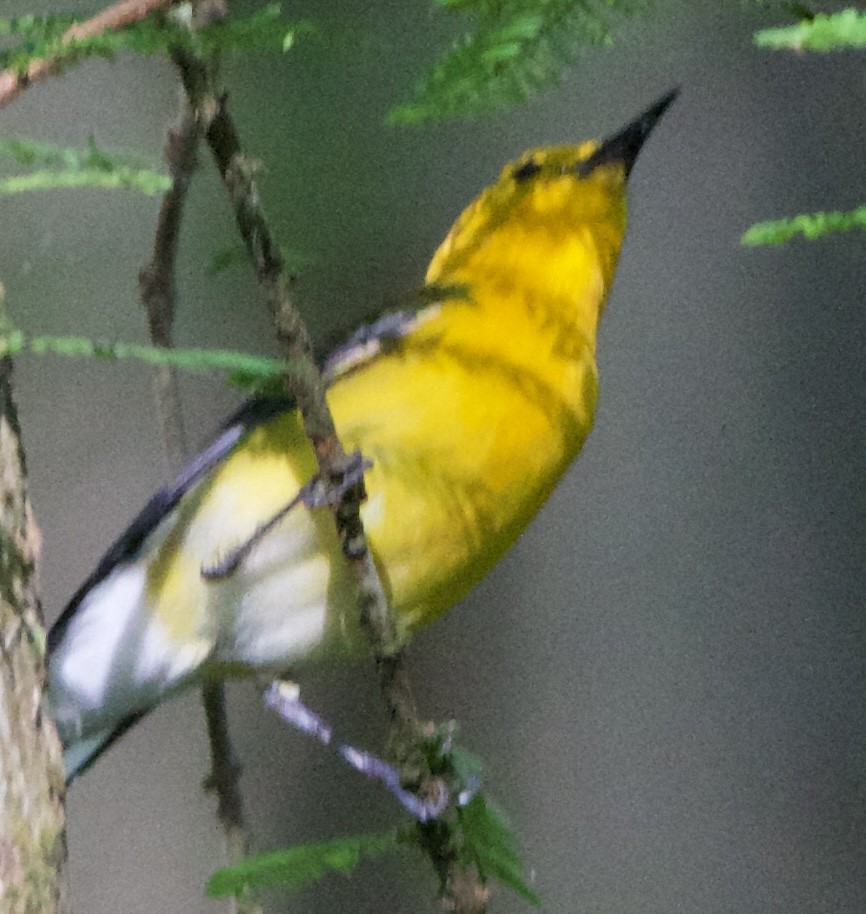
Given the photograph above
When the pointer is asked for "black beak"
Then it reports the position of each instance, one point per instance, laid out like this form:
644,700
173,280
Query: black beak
623,147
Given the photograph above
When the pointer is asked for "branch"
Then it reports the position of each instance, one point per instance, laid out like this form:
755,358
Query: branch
14,82
157,279
32,838
157,285
463,892
224,781
305,384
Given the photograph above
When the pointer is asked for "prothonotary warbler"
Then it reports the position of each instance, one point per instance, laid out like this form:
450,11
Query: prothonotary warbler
469,407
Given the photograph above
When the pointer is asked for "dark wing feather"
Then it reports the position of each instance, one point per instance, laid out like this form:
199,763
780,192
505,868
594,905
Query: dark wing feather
364,344
384,333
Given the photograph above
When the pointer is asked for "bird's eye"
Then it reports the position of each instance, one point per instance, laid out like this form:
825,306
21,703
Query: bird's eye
527,170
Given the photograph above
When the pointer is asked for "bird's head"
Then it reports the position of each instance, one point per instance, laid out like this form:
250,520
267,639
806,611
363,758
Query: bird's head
548,195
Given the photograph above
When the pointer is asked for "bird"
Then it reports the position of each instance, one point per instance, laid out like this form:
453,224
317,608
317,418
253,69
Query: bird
467,408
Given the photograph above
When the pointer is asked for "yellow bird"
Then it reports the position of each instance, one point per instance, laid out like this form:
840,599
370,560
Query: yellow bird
470,407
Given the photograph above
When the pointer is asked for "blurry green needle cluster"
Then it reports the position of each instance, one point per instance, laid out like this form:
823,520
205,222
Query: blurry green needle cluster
472,832
819,32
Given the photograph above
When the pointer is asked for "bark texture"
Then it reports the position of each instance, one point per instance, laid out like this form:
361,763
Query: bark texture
32,843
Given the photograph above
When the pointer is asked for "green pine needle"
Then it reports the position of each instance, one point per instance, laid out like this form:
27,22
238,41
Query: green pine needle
517,48
236,256
477,829
42,37
295,868
47,155
255,368
810,226
490,845
67,167
825,32
263,30
35,153
149,183
476,833
32,29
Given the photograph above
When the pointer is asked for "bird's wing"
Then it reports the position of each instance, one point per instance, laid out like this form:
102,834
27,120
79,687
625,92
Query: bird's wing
360,348
128,545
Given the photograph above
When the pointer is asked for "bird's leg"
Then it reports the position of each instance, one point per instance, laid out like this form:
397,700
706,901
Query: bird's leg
284,699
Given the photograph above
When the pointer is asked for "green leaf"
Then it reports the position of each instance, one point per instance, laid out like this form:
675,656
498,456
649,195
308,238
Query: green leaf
825,32
810,226
489,844
516,48
297,867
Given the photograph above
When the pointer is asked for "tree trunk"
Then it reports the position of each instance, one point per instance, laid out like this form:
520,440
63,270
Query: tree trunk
32,842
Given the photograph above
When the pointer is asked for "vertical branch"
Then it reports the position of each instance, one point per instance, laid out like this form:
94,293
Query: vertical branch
225,772
32,838
157,279
462,889
157,286
304,381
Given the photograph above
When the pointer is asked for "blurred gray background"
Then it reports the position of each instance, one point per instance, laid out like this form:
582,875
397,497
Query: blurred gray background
666,675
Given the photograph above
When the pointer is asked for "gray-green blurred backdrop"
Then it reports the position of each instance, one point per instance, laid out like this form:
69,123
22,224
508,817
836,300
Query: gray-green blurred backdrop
666,675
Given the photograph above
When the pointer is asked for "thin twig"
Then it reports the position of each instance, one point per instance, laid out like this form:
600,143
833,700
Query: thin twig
304,381
157,285
224,781
157,279
14,82
463,892
225,771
